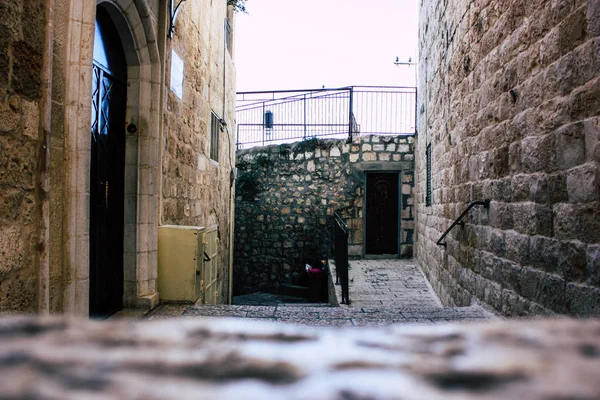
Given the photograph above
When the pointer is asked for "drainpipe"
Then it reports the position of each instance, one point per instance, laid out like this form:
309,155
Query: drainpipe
231,167
162,54
231,227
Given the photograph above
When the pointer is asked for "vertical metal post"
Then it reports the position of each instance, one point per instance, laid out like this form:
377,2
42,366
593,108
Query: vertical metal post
263,123
304,116
416,109
351,93
341,256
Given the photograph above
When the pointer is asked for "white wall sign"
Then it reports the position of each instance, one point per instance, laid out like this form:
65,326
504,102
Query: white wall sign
177,75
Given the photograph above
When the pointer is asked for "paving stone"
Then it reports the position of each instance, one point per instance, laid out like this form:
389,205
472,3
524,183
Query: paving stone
299,314
220,358
260,313
315,322
400,279
389,322
401,296
197,311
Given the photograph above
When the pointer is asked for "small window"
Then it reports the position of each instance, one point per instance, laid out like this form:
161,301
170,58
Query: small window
428,194
215,128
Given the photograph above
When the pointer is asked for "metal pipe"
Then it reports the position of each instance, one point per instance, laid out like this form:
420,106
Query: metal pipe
485,203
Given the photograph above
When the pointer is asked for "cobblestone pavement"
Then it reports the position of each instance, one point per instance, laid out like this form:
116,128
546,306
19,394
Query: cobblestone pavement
324,315
382,292
389,283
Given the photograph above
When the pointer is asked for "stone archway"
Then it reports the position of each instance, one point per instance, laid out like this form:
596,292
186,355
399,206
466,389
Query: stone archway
137,31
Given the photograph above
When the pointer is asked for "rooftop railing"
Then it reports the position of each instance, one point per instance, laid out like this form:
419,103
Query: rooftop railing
275,117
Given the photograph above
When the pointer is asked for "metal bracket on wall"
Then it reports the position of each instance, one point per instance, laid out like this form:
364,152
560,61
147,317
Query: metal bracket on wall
174,10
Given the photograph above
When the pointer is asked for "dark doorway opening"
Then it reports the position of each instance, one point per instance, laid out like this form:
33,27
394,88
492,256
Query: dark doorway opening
381,225
107,169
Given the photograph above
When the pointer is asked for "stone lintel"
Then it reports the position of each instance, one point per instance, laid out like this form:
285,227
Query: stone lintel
370,166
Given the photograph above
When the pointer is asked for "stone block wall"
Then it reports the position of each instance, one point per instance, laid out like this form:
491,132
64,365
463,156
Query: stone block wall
286,196
22,40
46,51
509,102
196,190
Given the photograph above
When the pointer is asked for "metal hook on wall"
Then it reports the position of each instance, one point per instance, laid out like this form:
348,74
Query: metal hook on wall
173,16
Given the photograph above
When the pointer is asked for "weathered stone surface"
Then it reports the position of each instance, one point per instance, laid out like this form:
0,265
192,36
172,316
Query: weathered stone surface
27,71
570,148
593,264
34,17
583,184
22,36
232,359
45,110
510,109
577,221
196,189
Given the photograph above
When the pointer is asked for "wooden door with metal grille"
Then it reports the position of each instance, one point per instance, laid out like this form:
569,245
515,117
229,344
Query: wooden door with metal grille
382,213
107,170
211,250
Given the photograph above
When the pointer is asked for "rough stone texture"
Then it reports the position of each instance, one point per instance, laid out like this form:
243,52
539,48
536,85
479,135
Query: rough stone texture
324,315
22,36
233,359
509,103
196,189
286,196
45,112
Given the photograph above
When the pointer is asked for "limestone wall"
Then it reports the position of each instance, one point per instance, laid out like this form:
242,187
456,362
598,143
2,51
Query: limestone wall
22,38
285,200
196,190
508,101
46,51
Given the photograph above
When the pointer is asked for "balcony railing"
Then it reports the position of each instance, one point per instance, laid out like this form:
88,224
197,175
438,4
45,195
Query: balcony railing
275,117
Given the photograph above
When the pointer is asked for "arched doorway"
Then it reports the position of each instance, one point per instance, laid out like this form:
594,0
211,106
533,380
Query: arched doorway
107,168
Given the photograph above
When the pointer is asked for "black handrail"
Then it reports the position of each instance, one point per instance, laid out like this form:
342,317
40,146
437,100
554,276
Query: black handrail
485,203
341,256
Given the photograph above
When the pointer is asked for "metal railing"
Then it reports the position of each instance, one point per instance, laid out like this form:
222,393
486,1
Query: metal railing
340,240
275,117
458,221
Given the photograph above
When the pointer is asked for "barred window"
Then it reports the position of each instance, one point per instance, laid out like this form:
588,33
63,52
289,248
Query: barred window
428,195
214,137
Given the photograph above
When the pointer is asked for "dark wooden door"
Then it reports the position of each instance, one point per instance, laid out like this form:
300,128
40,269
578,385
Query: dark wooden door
382,213
107,172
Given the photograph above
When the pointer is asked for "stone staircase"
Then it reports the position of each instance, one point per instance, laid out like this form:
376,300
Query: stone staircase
398,286
382,292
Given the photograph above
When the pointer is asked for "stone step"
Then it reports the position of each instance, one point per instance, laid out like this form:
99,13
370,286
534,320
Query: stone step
288,289
325,315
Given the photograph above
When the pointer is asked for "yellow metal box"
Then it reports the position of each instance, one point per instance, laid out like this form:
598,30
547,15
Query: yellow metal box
180,262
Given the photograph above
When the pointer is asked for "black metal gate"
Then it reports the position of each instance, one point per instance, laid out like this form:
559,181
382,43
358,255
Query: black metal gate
106,193
382,213
340,242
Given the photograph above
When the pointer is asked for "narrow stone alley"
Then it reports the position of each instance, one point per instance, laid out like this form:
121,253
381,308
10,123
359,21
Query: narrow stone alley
382,292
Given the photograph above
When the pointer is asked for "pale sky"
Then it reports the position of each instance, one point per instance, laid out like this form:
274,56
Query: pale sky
305,44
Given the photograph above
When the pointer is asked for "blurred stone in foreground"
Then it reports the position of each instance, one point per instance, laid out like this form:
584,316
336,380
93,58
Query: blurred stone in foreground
237,359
